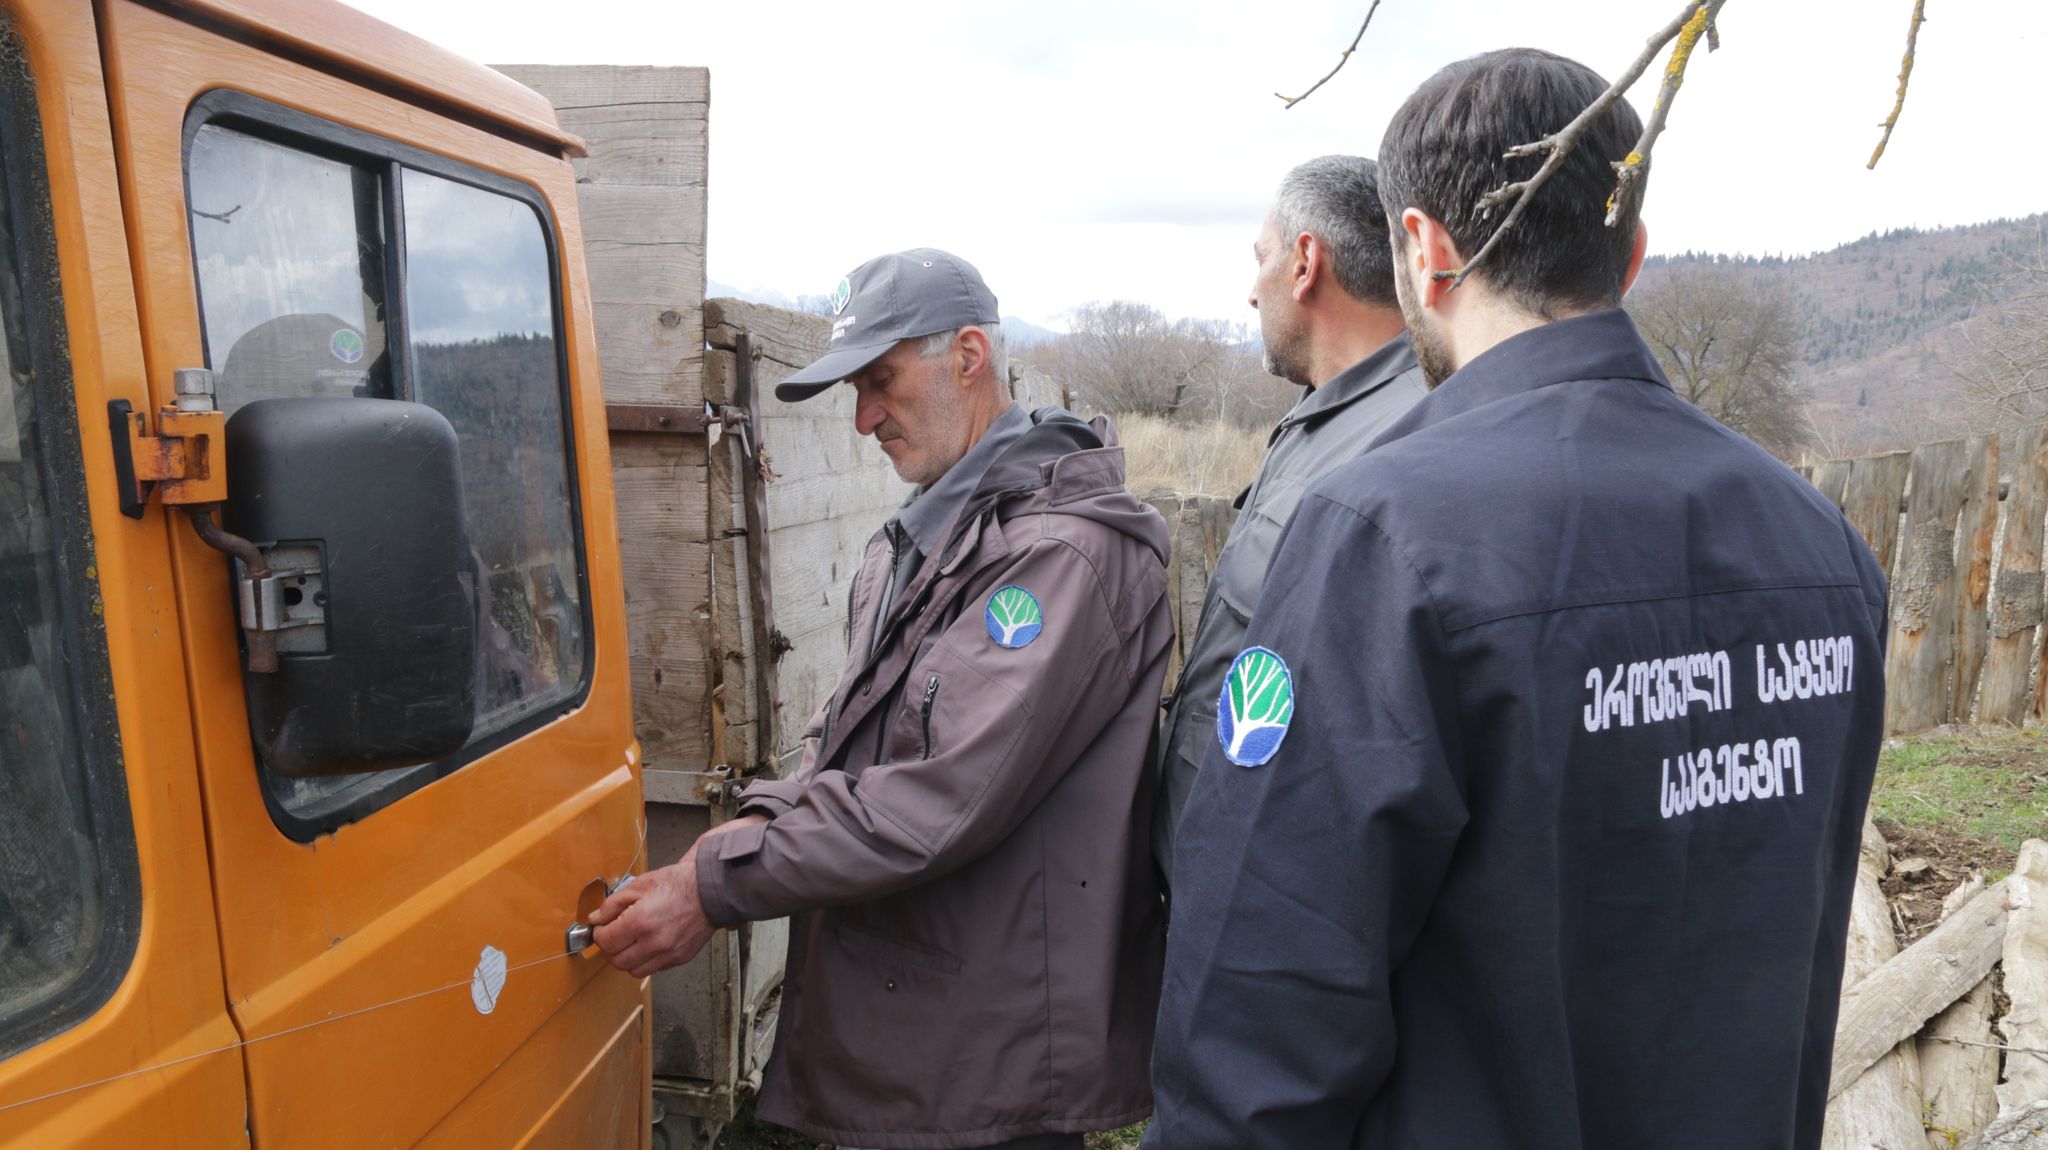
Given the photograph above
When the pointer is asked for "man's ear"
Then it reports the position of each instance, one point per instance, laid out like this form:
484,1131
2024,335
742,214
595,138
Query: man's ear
1635,256
1428,251
971,354
1306,264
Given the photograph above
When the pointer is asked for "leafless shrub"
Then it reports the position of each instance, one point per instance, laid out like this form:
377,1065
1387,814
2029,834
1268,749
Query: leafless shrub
1730,349
1127,358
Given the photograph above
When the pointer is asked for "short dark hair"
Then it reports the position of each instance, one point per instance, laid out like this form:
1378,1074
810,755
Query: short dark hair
1443,152
1336,199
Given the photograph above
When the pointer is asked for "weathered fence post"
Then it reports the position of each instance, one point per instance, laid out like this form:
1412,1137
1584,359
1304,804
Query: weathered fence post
1978,524
1924,595
2016,595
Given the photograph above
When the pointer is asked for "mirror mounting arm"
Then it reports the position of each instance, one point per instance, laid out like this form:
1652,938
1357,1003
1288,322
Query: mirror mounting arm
255,579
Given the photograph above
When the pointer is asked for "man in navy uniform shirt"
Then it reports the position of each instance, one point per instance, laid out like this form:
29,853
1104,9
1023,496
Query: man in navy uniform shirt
1533,810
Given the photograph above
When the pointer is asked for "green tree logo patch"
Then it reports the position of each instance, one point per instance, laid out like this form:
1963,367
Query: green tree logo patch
1013,617
1255,707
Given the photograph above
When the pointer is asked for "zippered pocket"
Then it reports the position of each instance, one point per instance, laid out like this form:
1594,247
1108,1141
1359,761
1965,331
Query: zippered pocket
931,696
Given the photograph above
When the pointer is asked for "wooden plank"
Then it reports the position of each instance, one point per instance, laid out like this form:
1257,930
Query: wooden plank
1978,523
1881,1108
2025,1024
1892,1003
1924,596
651,352
1958,1063
788,337
573,87
2016,593
1876,485
1832,479
659,485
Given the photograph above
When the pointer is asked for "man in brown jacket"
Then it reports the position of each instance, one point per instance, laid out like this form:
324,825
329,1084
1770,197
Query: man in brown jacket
975,931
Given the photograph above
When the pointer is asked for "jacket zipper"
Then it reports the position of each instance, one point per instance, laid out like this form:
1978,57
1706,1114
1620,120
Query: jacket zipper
931,694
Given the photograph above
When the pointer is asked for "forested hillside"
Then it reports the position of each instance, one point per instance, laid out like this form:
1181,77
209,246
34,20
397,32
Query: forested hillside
1884,344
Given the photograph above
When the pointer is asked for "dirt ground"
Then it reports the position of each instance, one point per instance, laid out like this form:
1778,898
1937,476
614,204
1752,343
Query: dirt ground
1954,802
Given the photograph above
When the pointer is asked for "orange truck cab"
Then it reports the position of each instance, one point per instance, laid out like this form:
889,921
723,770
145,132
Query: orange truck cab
315,729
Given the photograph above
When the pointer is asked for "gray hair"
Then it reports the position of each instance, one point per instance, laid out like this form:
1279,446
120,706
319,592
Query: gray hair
939,343
1336,199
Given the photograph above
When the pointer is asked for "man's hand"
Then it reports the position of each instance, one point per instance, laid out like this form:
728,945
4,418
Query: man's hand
657,921
654,922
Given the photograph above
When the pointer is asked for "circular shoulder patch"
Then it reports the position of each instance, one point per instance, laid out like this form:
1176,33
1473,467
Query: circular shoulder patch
1013,617
1255,707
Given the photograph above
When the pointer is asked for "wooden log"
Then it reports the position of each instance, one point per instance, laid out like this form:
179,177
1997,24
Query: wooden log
1922,650
1892,1003
1979,526
2025,1024
1832,479
1882,1106
2026,1129
1958,1064
1876,484
2016,595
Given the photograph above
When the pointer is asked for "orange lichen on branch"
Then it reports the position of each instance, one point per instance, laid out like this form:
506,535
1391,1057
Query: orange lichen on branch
1905,76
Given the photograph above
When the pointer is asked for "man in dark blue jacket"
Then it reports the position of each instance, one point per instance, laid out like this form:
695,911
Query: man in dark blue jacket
1533,812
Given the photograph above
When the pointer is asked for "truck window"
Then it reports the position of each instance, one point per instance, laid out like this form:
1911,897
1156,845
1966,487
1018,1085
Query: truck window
301,245
67,902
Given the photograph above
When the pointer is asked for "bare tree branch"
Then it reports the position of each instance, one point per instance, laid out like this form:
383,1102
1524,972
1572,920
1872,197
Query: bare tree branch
1695,20
1905,75
1290,101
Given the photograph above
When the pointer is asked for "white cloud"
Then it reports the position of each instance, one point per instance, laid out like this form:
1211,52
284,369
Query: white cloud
1080,151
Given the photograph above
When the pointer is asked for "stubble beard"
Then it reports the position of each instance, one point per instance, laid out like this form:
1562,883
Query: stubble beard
1425,335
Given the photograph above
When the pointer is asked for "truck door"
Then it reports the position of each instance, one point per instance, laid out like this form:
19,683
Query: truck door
323,210
112,1027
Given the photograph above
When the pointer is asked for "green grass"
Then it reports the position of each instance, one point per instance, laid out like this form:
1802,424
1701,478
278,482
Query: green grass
1989,785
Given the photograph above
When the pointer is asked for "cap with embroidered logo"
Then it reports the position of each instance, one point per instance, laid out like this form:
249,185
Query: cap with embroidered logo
889,299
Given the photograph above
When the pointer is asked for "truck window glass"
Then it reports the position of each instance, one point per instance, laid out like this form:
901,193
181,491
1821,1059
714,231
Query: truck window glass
297,251
61,898
480,313
290,255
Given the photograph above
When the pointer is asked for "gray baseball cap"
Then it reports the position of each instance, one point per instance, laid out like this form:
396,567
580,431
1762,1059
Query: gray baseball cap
889,299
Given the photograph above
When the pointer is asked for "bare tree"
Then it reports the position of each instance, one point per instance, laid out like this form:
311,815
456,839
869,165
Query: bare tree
1729,348
2004,361
1127,358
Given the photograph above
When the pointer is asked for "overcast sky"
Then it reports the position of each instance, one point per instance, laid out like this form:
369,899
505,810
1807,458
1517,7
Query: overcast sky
1108,149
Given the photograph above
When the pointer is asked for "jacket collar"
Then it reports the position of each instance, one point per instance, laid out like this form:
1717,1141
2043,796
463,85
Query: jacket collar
1598,345
1353,383
933,509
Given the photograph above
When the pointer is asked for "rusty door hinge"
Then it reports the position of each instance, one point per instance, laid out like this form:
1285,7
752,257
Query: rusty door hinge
184,461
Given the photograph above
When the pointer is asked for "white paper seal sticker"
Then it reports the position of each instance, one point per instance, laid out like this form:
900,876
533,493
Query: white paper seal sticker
488,982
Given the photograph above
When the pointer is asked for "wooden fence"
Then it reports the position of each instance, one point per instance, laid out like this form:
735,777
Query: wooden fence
1963,552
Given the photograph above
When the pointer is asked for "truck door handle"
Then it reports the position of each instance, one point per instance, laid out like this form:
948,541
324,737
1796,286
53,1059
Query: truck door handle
579,936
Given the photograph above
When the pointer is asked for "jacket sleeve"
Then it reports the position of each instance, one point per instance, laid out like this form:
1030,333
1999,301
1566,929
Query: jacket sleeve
1008,724
1301,884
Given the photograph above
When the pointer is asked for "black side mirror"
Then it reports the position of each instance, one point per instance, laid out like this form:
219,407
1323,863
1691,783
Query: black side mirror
357,506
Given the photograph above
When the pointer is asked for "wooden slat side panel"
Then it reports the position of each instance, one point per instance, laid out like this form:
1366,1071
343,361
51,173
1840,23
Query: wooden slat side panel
1924,593
660,485
2016,593
641,198
1978,527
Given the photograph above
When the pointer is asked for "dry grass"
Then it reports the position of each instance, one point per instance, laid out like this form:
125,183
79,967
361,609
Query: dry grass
1190,458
